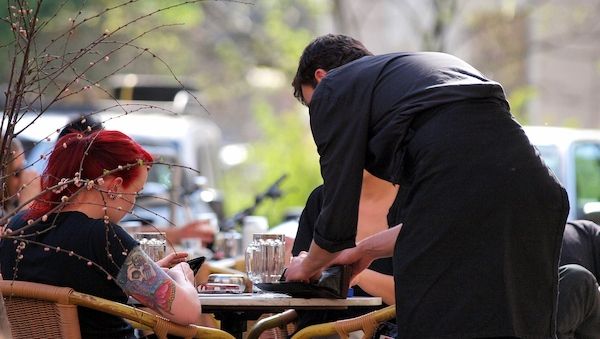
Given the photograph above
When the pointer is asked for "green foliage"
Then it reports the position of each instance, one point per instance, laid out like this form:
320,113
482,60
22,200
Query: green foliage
518,100
235,38
217,45
285,148
172,24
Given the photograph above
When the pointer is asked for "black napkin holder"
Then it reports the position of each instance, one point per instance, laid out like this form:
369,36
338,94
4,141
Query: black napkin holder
333,283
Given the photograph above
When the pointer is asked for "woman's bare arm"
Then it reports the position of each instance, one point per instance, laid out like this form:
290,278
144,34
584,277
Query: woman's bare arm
377,284
170,293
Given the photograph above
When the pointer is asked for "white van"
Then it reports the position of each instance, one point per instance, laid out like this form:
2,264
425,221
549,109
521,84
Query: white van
574,157
196,140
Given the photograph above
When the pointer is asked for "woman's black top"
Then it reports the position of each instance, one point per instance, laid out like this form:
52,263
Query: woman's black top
90,240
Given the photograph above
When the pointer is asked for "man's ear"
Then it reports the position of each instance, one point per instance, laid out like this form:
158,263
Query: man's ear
320,74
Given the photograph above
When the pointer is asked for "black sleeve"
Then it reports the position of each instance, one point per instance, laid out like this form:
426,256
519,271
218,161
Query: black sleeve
396,213
340,130
111,244
581,245
306,224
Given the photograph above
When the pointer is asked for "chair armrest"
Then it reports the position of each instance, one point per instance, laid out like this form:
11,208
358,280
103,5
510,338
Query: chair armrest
366,322
277,320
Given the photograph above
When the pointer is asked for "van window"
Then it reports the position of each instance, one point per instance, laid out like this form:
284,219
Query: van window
162,175
551,157
587,176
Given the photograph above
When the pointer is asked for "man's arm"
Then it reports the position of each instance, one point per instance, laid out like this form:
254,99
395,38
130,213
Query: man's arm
340,127
379,245
309,265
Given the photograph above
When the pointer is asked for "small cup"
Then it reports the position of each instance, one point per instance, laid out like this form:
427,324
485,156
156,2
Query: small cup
153,243
228,244
265,257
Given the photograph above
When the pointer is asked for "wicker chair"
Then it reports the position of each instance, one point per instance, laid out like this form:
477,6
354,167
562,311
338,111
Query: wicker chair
367,323
275,326
44,311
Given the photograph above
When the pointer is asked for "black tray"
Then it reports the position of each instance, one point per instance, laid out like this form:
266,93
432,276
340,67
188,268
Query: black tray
333,283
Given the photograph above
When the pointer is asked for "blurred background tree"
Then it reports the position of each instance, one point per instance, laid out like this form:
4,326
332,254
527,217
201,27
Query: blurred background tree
238,53
285,149
242,57
166,22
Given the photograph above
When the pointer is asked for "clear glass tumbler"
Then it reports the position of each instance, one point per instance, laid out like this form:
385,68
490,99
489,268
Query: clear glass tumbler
153,243
265,257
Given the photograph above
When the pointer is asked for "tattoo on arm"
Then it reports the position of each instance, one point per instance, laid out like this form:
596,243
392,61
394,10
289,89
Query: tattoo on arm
142,279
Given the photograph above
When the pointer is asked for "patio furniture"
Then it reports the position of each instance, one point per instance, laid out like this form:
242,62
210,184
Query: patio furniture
367,323
43,311
234,310
273,326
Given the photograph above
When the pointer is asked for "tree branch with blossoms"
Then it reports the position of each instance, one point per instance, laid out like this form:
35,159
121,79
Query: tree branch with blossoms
43,74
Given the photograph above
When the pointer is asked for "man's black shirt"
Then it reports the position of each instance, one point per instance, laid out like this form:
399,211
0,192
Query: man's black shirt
360,117
478,251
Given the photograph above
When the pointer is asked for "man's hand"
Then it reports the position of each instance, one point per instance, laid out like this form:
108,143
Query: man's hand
297,270
308,265
357,259
378,245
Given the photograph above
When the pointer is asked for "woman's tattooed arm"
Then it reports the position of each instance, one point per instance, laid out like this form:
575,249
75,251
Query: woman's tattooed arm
142,279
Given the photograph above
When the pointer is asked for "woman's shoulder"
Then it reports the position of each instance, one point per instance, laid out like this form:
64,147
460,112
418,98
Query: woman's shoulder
75,222
17,221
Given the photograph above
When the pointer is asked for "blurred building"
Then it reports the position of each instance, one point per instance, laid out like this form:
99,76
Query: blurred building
545,53
564,63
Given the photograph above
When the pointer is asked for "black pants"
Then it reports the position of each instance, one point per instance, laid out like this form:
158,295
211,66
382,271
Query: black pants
578,304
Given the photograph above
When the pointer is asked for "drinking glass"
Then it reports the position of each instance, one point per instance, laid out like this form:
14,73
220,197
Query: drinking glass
265,257
228,244
153,243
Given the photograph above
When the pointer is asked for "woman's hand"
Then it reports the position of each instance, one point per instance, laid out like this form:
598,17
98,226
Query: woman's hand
172,259
182,269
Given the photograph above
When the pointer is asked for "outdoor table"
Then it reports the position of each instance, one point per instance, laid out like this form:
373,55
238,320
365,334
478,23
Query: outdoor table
234,310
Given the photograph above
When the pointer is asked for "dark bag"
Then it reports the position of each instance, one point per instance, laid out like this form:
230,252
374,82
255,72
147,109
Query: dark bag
386,330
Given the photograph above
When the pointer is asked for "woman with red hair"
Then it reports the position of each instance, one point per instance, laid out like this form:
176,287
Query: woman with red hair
70,236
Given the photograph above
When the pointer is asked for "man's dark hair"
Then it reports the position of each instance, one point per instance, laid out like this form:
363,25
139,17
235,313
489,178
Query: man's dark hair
326,52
